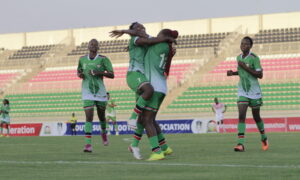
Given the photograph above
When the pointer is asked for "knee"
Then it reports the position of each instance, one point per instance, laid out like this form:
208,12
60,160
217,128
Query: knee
148,94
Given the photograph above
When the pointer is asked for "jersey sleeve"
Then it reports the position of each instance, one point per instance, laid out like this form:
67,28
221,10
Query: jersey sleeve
107,64
256,64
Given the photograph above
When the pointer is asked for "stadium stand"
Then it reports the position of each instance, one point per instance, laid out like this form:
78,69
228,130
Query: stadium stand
277,96
185,41
28,52
6,76
277,35
198,73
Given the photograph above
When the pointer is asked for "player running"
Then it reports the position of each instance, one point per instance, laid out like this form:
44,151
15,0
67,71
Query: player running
219,109
249,92
135,77
111,114
92,68
5,119
157,66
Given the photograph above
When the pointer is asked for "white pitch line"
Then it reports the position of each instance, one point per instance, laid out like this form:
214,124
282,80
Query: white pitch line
153,164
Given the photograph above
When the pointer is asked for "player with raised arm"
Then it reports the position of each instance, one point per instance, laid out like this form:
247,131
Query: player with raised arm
157,65
135,77
249,92
92,68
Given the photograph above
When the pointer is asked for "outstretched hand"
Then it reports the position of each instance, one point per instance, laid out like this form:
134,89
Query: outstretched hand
116,33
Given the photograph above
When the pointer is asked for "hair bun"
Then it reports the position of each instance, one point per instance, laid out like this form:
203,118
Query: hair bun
174,34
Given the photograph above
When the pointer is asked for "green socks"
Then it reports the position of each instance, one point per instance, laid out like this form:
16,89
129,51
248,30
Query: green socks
261,128
88,132
138,133
103,127
162,142
241,133
154,144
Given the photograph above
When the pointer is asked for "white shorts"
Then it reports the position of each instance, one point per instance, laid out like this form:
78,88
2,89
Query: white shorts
219,117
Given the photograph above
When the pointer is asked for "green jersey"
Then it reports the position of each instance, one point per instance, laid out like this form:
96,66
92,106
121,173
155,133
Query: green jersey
248,85
92,86
110,111
155,61
5,112
136,54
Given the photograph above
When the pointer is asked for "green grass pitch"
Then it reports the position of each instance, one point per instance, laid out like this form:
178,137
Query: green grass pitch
196,156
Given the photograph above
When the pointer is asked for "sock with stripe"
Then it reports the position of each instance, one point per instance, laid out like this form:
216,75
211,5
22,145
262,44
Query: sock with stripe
261,128
103,127
162,142
140,104
88,132
136,111
241,132
154,144
138,133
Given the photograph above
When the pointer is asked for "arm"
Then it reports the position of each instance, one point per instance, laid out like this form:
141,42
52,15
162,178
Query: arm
213,110
232,73
108,72
150,41
257,74
80,71
119,33
100,74
225,109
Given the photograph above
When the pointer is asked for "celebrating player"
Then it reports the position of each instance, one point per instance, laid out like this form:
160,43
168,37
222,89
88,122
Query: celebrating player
219,109
5,119
249,92
91,69
111,114
157,65
135,78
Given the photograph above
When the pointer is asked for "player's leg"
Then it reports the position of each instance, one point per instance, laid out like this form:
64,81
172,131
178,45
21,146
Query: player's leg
1,129
222,125
243,104
8,129
101,115
260,125
107,125
162,140
72,129
147,119
139,84
88,126
115,124
75,132
138,132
